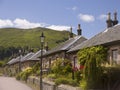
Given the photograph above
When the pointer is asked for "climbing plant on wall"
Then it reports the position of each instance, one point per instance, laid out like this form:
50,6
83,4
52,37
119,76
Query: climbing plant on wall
92,59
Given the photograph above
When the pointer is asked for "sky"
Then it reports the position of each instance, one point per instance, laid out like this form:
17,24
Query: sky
58,14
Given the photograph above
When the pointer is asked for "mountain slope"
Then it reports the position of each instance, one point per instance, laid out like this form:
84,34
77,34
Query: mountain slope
30,37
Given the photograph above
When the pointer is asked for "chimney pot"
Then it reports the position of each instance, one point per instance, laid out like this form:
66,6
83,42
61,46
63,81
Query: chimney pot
70,29
115,15
109,21
78,26
71,34
115,19
109,16
79,30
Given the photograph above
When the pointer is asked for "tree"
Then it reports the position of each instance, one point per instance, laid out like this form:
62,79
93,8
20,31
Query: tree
92,58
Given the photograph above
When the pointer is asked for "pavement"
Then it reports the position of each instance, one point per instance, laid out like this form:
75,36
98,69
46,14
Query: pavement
9,83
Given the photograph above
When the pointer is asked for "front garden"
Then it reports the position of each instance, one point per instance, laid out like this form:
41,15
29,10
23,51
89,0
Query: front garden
94,71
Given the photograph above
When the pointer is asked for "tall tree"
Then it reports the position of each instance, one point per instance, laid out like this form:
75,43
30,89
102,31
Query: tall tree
92,58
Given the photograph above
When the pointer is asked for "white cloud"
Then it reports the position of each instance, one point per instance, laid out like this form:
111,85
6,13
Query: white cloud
25,24
86,17
5,23
58,27
102,17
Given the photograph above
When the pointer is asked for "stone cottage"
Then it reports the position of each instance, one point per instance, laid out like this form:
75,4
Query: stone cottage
25,61
61,50
13,66
109,38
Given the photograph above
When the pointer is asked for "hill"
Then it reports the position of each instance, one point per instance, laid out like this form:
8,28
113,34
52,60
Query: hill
30,37
12,40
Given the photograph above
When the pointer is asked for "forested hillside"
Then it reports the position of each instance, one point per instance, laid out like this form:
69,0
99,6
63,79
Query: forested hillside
12,39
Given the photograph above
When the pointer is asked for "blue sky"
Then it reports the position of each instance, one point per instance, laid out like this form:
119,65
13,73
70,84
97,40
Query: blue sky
58,14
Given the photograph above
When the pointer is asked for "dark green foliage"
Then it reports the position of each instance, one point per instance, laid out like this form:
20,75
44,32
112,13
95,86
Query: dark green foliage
111,77
6,52
92,58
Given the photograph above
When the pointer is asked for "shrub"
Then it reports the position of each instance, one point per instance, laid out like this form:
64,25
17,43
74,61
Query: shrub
51,76
61,66
83,84
35,68
24,74
78,76
65,81
37,73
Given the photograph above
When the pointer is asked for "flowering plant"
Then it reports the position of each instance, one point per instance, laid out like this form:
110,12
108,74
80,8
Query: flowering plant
81,67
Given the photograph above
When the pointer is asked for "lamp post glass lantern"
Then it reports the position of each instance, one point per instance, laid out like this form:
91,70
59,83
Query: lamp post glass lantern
42,38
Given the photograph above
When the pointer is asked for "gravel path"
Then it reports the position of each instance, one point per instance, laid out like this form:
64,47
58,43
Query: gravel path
8,83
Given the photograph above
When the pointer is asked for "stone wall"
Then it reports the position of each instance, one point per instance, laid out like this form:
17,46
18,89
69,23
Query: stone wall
48,85
67,87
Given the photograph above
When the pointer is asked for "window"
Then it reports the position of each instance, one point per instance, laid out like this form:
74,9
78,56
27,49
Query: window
115,56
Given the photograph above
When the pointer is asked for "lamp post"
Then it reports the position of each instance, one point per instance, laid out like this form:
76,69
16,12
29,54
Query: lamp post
20,61
42,37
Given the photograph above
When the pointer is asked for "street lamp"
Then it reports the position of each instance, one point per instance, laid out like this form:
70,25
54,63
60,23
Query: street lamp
20,61
42,37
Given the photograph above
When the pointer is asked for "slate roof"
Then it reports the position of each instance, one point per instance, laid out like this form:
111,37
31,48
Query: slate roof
14,60
29,56
26,57
108,36
72,42
10,62
36,55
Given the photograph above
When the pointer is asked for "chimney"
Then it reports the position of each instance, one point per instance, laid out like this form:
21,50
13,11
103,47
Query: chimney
79,30
109,21
115,19
46,46
71,34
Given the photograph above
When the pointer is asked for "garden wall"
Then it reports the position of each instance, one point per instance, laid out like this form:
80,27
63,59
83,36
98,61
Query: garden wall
48,85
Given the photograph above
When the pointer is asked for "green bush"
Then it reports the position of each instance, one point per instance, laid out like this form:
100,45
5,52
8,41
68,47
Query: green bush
35,68
52,76
61,66
66,81
92,59
78,76
83,84
24,74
